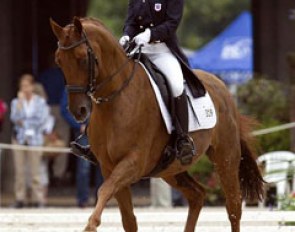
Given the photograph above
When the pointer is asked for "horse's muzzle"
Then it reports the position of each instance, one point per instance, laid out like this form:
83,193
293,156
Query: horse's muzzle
81,112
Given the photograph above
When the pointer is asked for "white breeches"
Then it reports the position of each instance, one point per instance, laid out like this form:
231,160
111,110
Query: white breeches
169,65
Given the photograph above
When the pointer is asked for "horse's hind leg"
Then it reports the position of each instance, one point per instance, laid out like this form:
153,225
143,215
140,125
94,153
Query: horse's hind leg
193,192
126,208
227,166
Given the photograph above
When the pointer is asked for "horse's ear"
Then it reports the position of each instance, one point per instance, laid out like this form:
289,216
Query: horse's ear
57,29
78,25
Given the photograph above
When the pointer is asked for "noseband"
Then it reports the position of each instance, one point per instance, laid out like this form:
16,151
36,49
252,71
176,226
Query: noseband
93,63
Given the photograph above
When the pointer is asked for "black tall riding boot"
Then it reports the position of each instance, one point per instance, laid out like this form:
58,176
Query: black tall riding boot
81,148
184,143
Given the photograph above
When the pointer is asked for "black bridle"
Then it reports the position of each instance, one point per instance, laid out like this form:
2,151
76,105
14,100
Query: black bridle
93,64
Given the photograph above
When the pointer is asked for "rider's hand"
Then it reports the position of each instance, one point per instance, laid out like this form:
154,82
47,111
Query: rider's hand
124,40
83,129
143,38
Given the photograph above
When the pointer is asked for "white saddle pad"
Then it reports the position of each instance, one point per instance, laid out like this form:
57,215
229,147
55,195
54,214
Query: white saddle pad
202,114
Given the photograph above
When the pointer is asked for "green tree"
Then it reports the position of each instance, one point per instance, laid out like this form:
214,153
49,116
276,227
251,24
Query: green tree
267,101
202,19
112,13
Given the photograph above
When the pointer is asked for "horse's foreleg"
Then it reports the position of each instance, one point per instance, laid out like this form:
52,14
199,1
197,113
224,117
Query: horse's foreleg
193,192
126,208
123,175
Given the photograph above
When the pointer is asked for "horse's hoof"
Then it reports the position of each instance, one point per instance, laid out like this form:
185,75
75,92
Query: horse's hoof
89,229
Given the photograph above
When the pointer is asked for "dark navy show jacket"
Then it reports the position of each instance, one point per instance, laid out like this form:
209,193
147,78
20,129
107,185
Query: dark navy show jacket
163,18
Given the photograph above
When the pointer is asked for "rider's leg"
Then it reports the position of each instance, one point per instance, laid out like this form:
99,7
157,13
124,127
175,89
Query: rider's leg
185,144
171,68
80,147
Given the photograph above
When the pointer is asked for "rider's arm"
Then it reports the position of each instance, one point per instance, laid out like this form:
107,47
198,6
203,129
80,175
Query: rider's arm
130,25
66,114
168,28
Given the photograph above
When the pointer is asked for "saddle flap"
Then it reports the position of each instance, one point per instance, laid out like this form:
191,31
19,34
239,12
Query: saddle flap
158,77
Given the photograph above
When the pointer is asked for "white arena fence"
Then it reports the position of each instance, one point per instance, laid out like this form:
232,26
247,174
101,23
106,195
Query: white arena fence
67,150
4,146
274,129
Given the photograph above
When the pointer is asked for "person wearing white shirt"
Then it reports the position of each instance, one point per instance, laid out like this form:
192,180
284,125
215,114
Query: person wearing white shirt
29,113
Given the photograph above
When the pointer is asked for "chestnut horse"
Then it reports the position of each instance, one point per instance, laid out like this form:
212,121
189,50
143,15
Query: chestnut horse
127,133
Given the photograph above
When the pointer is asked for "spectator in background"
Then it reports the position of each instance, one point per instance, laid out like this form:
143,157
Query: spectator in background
3,110
48,136
29,113
178,199
83,166
161,194
52,80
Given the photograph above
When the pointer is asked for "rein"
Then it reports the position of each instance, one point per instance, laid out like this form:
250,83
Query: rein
92,87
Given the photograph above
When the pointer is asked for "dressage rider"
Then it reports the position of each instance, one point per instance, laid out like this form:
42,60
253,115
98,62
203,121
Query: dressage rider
153,24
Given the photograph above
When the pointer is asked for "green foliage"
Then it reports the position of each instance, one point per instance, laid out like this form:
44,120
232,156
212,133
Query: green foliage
267,101
277,141
203,172
112,13
264,99
288,203
203,166
202,19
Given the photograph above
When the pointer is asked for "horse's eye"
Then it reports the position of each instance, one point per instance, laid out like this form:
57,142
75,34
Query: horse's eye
82,62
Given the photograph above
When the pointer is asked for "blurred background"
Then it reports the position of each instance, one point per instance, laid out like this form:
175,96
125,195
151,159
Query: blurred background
249,44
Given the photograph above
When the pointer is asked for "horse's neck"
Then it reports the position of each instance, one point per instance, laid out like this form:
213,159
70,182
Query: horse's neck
112,58
133,95
116,69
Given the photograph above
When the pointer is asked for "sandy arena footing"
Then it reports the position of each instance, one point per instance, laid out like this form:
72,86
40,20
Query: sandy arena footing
149,220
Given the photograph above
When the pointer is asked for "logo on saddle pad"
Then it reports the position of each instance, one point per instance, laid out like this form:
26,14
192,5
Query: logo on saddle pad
158,6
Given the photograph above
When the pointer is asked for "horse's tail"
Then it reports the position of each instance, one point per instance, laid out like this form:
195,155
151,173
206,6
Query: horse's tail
251,181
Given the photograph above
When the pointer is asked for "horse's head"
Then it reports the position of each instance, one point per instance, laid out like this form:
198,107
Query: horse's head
93,62
75,55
